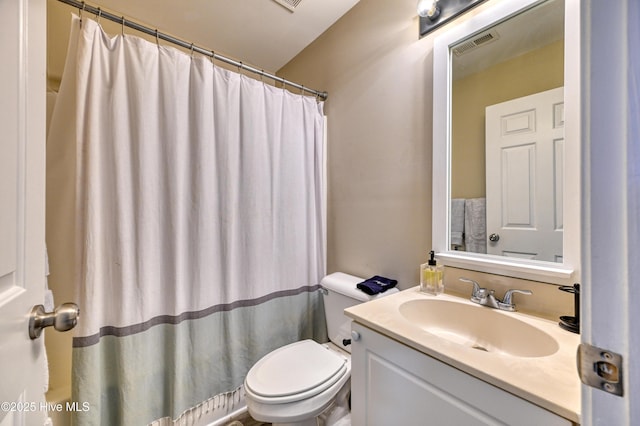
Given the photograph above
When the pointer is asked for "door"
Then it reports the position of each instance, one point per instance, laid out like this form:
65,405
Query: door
22,162
524,168
610,209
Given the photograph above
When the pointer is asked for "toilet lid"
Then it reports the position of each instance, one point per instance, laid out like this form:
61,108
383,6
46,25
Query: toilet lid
302,369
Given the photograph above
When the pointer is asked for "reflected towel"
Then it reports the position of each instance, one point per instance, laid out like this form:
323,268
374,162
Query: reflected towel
457,221
475,225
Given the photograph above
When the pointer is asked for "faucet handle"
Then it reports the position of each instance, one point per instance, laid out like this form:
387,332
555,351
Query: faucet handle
508,296
477,292
476,286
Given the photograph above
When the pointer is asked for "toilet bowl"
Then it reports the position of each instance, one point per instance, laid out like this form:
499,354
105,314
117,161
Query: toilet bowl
296,383
300,382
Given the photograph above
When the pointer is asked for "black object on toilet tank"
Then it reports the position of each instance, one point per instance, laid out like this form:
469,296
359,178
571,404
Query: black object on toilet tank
572,323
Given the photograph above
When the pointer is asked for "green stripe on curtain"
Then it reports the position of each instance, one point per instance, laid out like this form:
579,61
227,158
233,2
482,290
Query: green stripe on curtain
158,372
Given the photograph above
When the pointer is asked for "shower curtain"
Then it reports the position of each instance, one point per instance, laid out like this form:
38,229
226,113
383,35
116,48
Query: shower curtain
197,212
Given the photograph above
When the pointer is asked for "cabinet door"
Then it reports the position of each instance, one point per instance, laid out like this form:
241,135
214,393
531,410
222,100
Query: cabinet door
394,384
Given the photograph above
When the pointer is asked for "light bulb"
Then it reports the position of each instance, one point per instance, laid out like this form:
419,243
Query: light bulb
428,9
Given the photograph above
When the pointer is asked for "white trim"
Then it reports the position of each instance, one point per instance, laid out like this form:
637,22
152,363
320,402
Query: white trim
526,269
611,198
568,271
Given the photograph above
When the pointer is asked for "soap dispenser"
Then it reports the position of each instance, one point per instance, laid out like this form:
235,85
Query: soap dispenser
432,276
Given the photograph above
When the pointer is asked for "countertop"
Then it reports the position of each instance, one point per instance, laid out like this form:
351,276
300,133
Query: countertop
551,382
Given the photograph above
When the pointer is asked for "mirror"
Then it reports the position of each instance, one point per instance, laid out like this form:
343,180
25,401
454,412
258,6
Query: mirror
502,148
506,143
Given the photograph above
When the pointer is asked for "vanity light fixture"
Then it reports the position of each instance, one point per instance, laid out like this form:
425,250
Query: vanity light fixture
434,13
429,9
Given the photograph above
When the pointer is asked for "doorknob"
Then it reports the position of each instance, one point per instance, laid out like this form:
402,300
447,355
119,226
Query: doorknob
63,318
494,237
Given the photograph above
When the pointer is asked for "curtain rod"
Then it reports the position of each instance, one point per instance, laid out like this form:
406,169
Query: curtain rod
154,32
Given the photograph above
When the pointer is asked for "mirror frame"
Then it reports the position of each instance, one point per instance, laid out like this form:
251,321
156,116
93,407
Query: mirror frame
548,272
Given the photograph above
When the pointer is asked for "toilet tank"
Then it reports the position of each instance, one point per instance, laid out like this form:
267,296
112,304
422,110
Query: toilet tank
340,293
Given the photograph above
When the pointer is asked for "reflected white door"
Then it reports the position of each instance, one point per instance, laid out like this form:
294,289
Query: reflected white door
22,179
524,168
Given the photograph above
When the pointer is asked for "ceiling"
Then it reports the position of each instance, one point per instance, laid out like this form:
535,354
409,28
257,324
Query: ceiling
261,33
522,33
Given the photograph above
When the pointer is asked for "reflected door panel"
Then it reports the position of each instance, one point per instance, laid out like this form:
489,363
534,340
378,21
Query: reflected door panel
524,169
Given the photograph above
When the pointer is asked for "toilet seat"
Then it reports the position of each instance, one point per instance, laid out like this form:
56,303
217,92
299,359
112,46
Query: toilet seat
295,372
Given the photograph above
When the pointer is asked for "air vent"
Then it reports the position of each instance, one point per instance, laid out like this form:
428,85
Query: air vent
476,42
289,4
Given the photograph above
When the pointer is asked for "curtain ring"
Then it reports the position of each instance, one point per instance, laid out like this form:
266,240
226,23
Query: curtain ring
157,38
262,76
240,68
191,50
302,90
84,6
98,15
123,22
213,58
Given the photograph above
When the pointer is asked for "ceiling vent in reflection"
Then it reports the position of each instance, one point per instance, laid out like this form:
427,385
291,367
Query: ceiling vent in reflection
476,42
289,4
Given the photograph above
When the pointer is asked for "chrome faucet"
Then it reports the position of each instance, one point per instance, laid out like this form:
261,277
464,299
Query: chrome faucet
485,297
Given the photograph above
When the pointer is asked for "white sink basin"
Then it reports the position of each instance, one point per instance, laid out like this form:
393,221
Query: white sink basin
479,327
528,356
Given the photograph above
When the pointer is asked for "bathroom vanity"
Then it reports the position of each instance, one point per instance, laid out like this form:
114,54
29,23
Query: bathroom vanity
418,358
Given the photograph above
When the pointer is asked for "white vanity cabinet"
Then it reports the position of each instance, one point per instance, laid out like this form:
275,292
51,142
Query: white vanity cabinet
393,384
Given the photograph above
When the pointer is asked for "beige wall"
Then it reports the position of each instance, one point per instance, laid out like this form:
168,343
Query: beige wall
379,78
61,280
534,72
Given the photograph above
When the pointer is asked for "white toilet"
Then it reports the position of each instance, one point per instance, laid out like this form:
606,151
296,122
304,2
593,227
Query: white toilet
301,382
